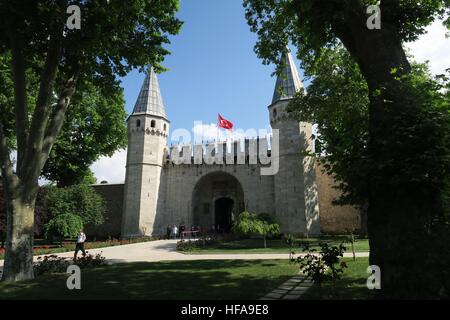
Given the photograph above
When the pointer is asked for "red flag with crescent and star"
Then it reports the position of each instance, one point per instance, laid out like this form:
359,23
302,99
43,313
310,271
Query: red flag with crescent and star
223,123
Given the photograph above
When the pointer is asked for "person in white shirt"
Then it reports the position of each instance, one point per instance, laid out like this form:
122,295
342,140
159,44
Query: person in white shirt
80,244
175,231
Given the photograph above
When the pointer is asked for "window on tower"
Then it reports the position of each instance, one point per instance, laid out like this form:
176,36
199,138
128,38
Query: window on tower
138,123
153,123
165,127
274,112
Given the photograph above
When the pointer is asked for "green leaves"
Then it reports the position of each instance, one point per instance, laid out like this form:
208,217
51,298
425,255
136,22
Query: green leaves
113,39
80,200
63,226
315,24
95,127
252,224
337,101
326,264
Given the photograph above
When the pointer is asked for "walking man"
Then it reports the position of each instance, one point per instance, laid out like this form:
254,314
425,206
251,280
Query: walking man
80,244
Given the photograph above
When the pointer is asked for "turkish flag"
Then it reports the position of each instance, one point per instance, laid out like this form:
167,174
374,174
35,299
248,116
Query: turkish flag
223,123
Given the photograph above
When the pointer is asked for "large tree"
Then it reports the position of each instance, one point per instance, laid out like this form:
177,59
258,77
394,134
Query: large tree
94,126
115,37
342,139
408,150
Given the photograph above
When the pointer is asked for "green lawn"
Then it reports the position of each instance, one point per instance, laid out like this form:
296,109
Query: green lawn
352,285
274,246
207,279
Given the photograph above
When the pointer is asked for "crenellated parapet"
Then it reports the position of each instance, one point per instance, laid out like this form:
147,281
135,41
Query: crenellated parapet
149,131
257,151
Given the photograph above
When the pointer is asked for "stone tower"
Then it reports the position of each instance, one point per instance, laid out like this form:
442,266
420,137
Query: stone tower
148,128
296,197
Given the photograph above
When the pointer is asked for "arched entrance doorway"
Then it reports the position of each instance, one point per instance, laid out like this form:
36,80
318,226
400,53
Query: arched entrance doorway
217,199
223,214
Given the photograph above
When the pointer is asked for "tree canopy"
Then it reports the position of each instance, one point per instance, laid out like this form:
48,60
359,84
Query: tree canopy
312,25
408,149
57,61
94,126
337,102
80,200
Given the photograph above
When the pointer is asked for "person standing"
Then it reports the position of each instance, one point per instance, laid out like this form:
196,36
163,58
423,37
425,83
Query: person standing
181,230
175,231
80,244
168,231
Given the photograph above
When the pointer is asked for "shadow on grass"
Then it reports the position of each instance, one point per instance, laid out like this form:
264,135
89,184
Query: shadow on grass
206,279
352,285
344,289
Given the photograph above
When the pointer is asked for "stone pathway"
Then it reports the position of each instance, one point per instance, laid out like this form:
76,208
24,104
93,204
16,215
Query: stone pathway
292,289
165,250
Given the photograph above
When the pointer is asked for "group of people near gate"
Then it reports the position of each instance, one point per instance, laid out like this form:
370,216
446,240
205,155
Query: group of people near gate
180,232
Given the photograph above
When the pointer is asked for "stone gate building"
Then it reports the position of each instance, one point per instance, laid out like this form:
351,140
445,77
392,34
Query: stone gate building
159,191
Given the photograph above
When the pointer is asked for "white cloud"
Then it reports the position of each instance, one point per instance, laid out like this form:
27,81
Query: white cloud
111,169
433,46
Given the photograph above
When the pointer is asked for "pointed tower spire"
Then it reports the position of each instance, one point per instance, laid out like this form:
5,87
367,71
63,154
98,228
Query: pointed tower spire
150,100
288,82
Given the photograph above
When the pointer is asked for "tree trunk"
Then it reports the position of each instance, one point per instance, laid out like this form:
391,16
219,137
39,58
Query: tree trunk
400,210
363,219
18,265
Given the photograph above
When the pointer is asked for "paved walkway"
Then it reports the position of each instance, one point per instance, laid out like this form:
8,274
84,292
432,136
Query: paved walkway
165,250
292,289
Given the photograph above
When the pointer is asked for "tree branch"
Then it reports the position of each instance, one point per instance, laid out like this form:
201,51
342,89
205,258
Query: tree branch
42,111
5,160
57,120
20,93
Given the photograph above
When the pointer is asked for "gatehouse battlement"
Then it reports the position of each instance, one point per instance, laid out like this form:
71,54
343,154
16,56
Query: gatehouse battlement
252,151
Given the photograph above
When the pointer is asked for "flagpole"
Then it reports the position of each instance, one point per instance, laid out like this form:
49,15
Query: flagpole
218,128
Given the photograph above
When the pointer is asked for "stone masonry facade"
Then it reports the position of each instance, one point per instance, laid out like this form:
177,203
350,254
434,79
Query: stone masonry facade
160,191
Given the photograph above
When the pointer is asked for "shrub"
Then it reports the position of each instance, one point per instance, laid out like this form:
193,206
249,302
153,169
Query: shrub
315,265
63,226
90,261
249,224
55,264
50,264
289,239
191,245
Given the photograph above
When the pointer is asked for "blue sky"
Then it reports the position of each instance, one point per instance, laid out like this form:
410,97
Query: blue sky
212,69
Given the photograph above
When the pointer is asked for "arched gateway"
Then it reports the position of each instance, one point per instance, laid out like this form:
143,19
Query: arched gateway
217,200
160,192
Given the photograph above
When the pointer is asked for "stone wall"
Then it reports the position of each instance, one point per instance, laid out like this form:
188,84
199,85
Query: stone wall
178,183
334,219
113,195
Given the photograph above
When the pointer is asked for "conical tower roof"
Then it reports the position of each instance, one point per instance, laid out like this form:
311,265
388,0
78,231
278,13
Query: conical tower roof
150,100
288,82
